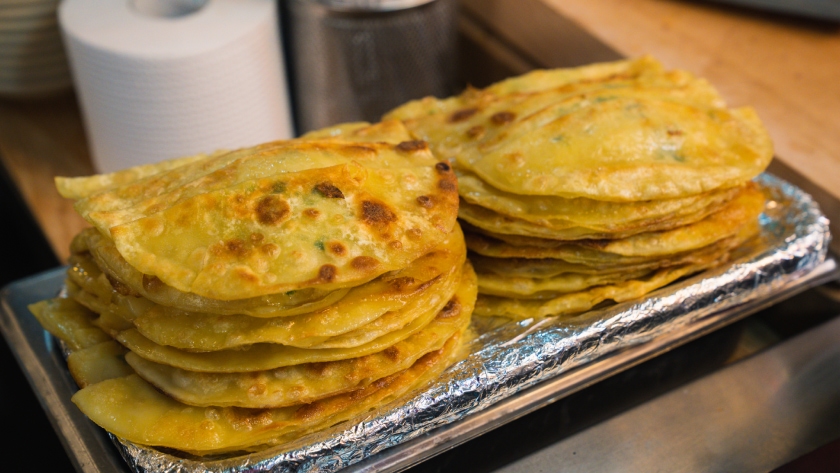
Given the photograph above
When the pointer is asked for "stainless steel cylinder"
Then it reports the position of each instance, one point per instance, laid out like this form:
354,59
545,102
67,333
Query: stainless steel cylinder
353,60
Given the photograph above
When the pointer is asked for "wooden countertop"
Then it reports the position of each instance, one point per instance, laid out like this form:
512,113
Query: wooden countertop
789,70
40,139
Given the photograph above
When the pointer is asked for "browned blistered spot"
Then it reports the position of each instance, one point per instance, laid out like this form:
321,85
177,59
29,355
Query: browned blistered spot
312,213
383,383
239,199
425,201
154,225
395,244
377,213
364,263
392,353
271,209
337,248
246,275
429,359
429,283
119,286
358,394
501,118
414,233
152,283
463,114
257,389
475,132
308,411
327,273
448,185
517,159
432,254
442,167
411,146
675,132
247,419
451,309
236,247
269,249
318,369
329,190
257,237
402,283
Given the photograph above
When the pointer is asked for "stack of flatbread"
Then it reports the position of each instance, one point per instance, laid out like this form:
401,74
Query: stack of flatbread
241,300
595,184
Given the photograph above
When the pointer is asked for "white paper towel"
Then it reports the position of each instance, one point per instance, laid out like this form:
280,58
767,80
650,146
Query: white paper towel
154,87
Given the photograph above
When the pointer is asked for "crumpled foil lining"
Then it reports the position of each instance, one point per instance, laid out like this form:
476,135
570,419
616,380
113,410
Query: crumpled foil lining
510,358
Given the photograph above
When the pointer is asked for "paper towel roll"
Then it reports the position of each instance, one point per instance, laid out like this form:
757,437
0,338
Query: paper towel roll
158,83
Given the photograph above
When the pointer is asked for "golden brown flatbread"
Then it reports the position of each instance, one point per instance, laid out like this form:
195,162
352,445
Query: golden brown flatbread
580,217
301,384
281,217
628,136
132,409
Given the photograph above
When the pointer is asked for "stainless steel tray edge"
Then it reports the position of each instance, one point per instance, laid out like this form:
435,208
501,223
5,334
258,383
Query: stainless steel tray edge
91,449
403,456
88,446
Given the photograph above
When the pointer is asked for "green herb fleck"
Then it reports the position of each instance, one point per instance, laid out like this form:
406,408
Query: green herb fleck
278,187
603,99
320,245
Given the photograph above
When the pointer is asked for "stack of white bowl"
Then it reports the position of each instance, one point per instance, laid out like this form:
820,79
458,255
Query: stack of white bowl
32,59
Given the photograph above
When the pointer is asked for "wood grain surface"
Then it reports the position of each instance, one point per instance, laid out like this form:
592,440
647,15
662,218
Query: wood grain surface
41,139
787,69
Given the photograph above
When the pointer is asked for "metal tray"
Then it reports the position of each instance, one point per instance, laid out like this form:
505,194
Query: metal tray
92,450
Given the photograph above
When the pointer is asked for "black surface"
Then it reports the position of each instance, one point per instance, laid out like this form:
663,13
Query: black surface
30,444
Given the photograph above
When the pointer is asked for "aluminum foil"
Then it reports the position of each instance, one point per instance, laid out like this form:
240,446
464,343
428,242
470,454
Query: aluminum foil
510,358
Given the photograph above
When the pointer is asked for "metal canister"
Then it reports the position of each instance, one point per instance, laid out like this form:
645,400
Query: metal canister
353,60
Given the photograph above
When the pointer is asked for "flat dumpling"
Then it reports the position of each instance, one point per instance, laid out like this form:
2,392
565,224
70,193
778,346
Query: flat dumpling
231,302
547,288
496,223
518,267
69,321
575,303
352,321
266,356
281,217
588,215
365,312
134,410
741,212
638,136
553,285
98,362
111,268
300,384
628,156
298,240
170,180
